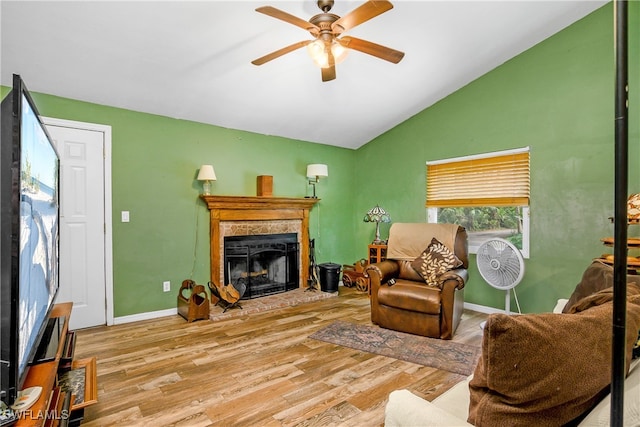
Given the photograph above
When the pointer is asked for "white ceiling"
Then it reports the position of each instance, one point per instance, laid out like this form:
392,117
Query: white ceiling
191,60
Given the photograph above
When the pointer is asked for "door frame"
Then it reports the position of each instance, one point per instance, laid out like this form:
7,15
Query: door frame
107,194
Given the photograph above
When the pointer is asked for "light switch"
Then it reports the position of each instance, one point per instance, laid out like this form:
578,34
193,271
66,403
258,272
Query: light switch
125,216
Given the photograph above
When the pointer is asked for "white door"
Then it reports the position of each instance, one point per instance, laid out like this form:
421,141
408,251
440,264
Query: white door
82,223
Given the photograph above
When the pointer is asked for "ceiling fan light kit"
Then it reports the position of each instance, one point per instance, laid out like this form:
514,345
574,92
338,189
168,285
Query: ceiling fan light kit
328,49
318,51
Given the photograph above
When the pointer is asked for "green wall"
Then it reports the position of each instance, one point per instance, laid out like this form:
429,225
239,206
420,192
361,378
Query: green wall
154,165
557,98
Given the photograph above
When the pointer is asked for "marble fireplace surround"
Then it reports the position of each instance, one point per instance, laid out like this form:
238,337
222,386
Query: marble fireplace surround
246,216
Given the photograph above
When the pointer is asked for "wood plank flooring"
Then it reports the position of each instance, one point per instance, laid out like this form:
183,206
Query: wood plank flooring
255,370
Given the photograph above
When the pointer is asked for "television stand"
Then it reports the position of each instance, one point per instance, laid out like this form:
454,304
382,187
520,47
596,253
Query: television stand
58,403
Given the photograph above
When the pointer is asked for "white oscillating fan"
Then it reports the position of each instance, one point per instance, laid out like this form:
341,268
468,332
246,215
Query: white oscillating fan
501,265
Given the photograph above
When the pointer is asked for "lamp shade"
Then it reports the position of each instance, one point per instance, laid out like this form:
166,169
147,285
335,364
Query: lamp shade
377,214
206,173
317,170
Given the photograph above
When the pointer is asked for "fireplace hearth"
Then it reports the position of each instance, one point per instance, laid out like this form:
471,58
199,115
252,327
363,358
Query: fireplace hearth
263,264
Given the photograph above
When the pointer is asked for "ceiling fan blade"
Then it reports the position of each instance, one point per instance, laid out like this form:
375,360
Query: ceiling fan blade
373,49
278,53
362,13
329,73
287,17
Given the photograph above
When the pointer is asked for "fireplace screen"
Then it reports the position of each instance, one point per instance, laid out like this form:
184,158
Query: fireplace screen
266,264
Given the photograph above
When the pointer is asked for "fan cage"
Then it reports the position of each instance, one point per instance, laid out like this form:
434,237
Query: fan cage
500,263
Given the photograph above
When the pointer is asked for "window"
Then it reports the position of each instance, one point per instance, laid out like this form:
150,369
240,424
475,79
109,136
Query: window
488,194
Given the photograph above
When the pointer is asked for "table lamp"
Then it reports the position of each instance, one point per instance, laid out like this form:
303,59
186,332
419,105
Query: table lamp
314,172
206,174
377,215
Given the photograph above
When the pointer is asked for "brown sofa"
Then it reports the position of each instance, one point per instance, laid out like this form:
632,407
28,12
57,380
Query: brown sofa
556,375
411,304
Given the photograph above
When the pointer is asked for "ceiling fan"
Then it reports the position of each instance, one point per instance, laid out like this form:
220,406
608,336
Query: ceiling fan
328,48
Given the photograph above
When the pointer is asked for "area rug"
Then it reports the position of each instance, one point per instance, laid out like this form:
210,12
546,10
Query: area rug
441,354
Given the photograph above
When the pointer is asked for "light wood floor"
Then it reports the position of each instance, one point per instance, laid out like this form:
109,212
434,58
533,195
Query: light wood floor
258,370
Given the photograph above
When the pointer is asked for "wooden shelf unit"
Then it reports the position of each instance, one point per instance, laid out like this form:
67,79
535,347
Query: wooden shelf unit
633,263
49,409
377,253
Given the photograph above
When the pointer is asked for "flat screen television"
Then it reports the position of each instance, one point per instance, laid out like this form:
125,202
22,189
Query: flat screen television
29,235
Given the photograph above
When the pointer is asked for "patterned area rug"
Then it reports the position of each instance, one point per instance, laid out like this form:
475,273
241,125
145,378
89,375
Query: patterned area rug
441,354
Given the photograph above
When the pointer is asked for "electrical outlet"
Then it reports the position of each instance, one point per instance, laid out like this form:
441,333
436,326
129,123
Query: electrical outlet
166,286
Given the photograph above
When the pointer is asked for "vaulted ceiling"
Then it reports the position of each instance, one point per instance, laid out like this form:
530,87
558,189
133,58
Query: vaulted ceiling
192,59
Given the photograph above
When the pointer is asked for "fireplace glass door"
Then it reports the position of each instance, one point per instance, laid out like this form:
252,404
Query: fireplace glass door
265,264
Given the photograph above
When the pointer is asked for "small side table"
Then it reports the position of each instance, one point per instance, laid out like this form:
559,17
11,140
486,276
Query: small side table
377,253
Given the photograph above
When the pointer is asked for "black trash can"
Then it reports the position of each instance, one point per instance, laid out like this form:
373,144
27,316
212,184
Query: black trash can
329,277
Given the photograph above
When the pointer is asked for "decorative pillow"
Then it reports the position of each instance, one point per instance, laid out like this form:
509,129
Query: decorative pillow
546,369
435,260
596,277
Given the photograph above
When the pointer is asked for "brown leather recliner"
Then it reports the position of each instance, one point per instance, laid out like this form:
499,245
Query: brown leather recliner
410,305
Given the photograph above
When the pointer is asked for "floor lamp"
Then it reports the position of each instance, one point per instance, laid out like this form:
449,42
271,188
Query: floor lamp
621,120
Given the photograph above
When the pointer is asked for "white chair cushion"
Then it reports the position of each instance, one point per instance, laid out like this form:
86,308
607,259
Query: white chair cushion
455,400
406,409
601,414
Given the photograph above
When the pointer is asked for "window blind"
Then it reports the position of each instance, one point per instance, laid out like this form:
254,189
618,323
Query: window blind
494,180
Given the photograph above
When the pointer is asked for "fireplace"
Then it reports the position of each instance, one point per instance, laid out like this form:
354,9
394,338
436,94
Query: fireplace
232,216
262,264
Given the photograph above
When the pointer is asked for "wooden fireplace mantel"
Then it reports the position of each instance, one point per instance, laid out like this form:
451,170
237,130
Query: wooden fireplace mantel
250,208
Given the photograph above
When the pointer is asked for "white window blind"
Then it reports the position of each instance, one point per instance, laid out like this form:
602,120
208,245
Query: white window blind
495,179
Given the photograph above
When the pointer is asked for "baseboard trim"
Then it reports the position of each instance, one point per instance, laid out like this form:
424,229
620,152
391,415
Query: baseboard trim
173,311
481,308
145,316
